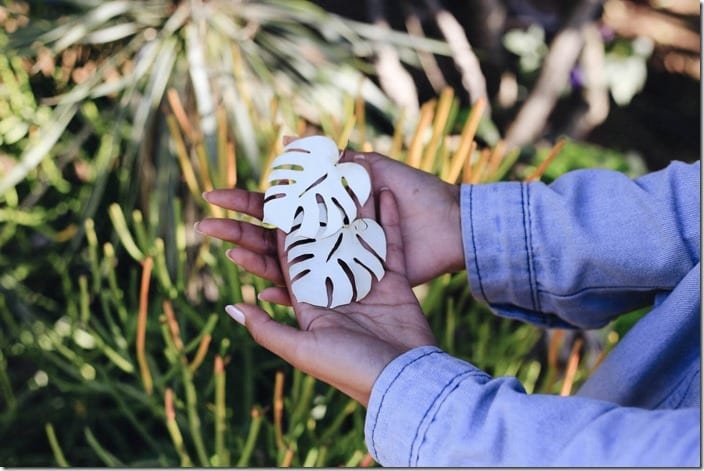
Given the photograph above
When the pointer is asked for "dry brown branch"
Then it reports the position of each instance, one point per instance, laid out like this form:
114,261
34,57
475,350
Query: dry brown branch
595,93
466,61
631,20
571,371
396,82
554,75
427,60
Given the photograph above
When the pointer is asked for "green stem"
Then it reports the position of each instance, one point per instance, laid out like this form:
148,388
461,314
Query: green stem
5,383
223,456
108,458
55,447
251,438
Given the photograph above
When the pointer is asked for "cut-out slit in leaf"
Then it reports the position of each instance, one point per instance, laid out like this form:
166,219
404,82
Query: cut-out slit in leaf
349,264
309,172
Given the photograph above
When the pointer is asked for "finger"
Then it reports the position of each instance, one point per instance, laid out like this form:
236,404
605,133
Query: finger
391,222
282,340
289,139
250,236
275,295
261,265
368,209
237,199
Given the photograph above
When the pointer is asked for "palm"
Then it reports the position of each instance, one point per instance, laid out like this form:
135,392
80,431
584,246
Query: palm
349,346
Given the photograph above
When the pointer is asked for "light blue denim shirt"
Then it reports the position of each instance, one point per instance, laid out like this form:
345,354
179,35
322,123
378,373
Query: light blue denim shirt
577,253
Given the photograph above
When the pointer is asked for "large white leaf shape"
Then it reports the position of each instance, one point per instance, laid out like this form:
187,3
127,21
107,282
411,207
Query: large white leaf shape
308,173
343,263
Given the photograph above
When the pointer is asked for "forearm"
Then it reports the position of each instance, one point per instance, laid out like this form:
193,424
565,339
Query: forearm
591,245
459,416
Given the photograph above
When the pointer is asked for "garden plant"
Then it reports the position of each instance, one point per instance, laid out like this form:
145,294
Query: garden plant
115,117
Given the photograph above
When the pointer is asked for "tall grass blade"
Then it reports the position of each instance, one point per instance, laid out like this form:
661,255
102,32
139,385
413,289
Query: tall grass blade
251,440
221,452
55,447
105,456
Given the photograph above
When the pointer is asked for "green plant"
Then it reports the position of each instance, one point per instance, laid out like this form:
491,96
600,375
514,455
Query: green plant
115,350
239,53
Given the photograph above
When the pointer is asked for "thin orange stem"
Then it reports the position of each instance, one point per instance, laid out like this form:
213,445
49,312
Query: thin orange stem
571,368
180,113
497,155
467,172
415,150
173,325
548,160
480,168
367,461
279,408
288,458
142,324
200,353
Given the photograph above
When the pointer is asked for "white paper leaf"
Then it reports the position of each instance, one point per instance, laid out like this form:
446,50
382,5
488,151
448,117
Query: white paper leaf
308,173
346,261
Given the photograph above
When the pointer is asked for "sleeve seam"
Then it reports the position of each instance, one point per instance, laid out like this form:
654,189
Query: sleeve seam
474,243
383,396
525,209
450,386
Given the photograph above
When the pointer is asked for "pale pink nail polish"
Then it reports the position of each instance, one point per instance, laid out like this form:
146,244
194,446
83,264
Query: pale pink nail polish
235,313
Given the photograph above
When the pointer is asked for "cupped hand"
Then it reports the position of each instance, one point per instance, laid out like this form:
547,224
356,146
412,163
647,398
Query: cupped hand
429,211
349,346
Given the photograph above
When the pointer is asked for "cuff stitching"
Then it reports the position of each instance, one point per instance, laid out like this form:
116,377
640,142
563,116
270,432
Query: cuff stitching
383,396
455,383
531,276
474,243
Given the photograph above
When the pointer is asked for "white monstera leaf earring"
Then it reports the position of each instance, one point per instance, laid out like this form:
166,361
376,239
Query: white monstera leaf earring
308,172
339,269
333,256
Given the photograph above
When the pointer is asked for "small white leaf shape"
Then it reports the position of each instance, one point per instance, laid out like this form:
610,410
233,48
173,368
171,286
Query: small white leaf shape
347,260
308,172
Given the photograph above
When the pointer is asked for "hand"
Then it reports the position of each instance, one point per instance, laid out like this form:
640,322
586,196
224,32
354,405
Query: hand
428,207
348,346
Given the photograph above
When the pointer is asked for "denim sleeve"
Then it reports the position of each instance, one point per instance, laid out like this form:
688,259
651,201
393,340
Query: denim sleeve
430,409
589,246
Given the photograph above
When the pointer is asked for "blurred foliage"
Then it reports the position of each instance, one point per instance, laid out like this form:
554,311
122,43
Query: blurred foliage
114,117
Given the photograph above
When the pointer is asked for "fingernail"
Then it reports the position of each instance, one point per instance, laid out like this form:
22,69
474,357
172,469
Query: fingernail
235,313
360,157
195,227
205,196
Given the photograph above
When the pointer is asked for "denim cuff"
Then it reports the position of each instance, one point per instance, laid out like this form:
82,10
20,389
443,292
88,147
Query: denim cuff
499,251
404,399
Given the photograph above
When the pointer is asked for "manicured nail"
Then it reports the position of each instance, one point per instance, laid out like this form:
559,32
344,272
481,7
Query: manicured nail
235,313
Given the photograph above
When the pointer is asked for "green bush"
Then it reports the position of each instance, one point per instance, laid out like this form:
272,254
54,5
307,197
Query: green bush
114,348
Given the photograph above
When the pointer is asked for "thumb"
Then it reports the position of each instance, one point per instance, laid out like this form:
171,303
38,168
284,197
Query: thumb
278,338
391,222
